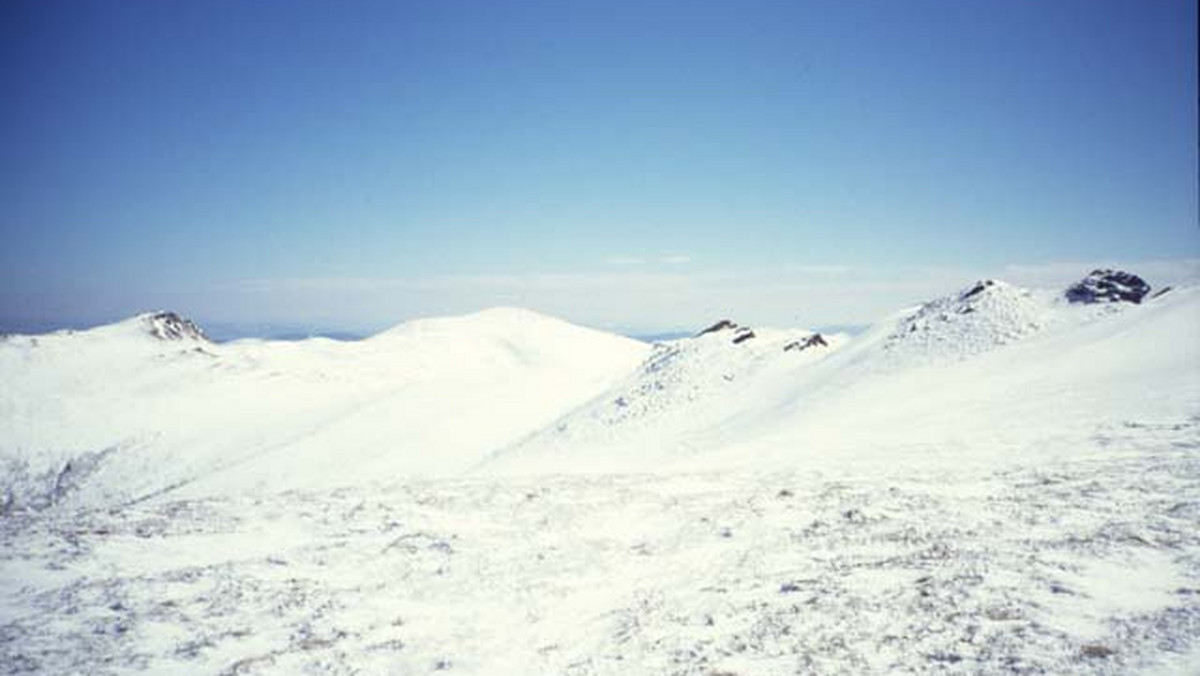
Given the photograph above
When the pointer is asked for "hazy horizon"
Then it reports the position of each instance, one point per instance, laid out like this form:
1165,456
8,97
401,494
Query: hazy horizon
824,289
635,167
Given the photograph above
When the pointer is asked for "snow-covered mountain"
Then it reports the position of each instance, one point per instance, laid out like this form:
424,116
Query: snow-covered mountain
1000,481
164,408
678,400
124,411
989,363
121,412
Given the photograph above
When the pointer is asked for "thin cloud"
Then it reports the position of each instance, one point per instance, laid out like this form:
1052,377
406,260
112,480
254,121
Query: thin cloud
623,261
678,259
1158,273
638,300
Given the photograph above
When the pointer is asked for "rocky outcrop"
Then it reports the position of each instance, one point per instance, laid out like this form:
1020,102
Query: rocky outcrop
742,335
1109,286
815,340
980,287
723,325
170,326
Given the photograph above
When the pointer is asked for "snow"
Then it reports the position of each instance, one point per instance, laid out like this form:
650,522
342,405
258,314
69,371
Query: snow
428,397
898,571
996,482
1022,368
672,398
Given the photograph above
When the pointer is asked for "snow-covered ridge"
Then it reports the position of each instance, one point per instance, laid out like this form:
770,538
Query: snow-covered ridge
997,481
160,325
683,387
427,397
513,390
947,368
491,320
988,314
694,369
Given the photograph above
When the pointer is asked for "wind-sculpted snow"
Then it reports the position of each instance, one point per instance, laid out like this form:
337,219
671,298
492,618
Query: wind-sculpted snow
997,482
987,315
429,397
693,370
1088,563
991,363
684,387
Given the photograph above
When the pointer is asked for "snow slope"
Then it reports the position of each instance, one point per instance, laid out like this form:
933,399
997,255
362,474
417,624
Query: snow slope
673,403
997,482
121,412
986,367
1051,372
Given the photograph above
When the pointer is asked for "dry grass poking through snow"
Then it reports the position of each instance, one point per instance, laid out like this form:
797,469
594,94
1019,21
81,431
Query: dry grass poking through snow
1089,564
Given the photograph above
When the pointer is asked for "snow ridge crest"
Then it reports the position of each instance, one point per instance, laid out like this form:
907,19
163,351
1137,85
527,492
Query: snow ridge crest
978,318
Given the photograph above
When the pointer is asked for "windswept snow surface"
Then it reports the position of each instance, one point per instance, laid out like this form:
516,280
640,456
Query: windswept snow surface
997,482
428,397
1083,566
677,402
991,371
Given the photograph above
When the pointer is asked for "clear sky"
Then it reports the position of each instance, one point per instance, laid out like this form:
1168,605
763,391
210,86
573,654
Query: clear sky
634,165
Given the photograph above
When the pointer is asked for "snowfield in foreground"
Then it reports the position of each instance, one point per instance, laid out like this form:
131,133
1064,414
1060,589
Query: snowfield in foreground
1000,481
1087,564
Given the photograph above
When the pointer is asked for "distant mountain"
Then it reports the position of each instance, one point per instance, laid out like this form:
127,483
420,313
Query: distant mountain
985,363
1000,480
226,332
166,409
660,337
150,405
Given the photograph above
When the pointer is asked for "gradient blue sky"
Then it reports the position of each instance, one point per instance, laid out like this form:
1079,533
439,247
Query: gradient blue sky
351,165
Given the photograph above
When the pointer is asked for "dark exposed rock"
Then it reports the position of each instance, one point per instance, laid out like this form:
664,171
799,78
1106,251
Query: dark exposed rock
723,325
170,326
815,340
979,288
740,333
1109,286
743,334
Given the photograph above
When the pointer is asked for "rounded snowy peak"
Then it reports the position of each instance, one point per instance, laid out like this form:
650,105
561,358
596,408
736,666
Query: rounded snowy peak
483,322
976,319
504,333
502,314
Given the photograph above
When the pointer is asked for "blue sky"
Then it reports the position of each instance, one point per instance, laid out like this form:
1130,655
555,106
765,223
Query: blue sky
351,165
